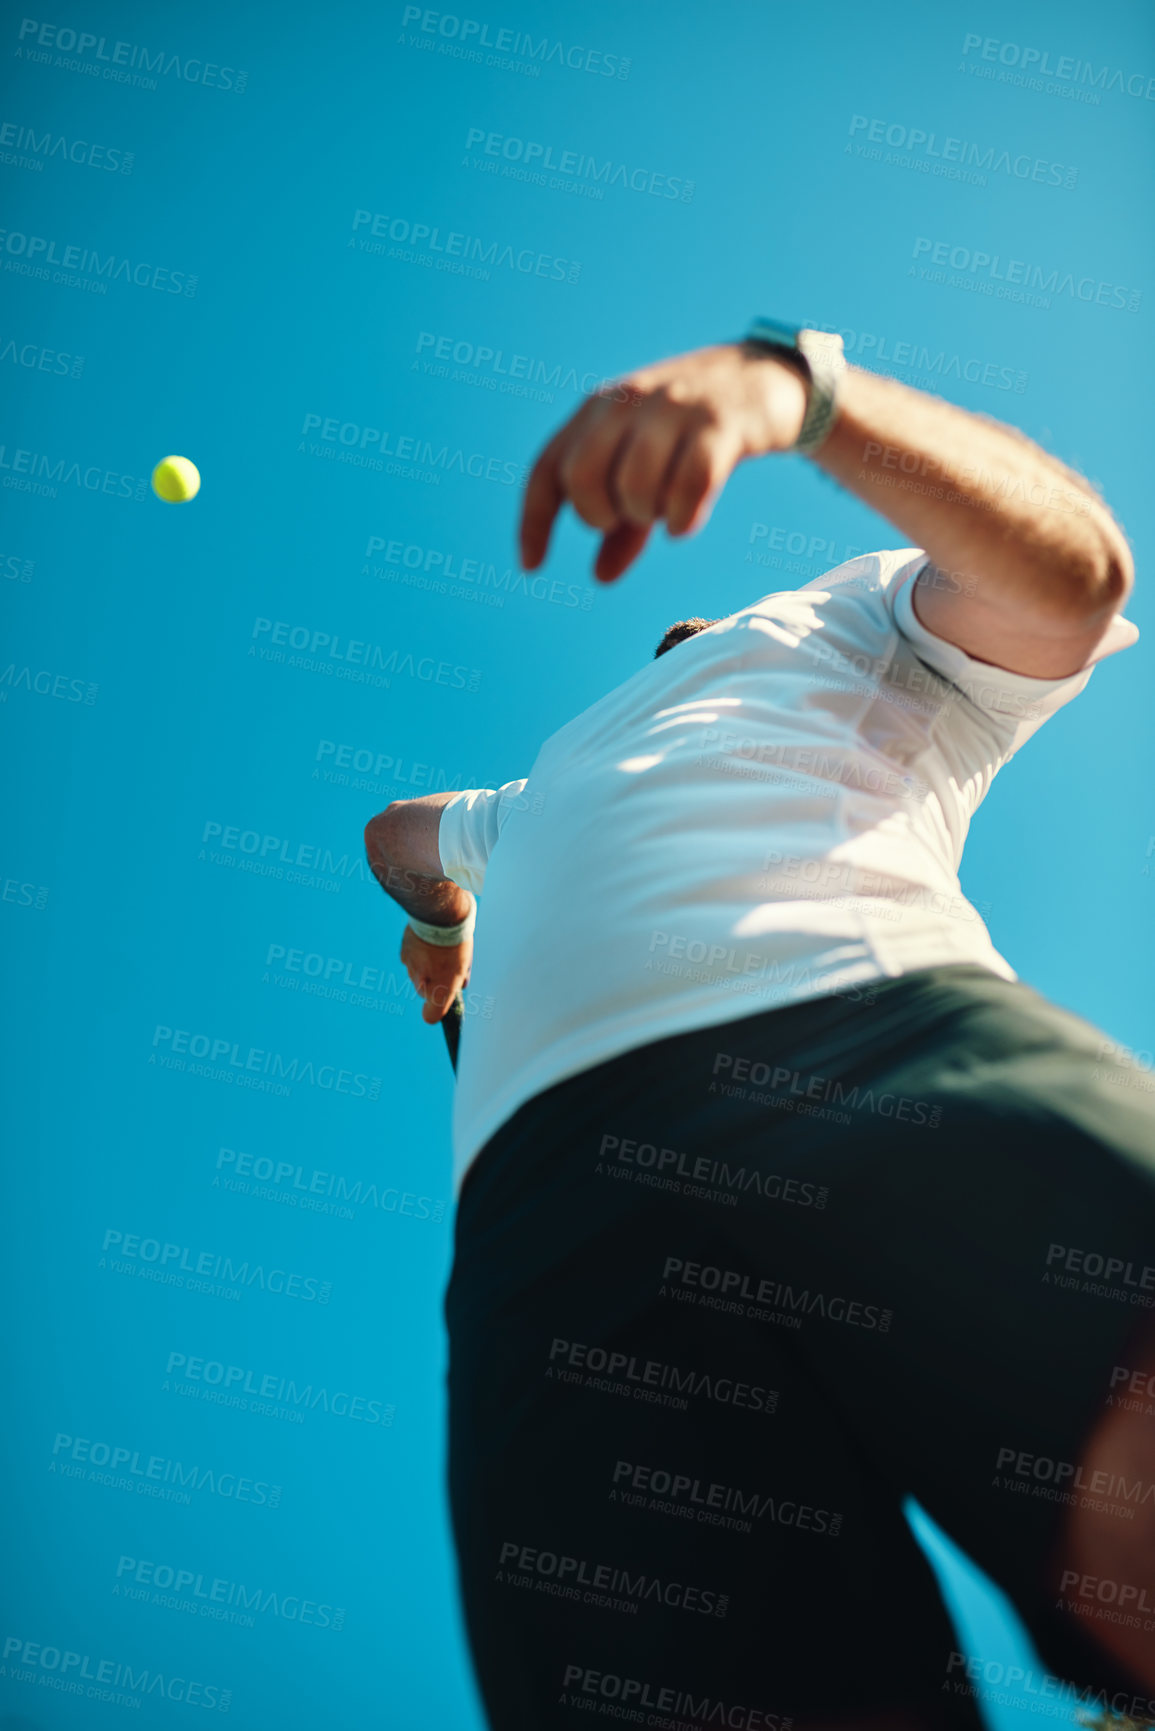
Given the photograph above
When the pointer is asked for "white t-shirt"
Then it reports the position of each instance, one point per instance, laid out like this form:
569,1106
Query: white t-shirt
773,810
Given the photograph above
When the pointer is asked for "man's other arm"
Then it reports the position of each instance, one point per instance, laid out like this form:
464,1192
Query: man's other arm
1028,566
401,847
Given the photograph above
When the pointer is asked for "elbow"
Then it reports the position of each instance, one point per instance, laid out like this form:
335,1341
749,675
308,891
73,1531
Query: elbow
1108,584
381,830
1095,582
1120,578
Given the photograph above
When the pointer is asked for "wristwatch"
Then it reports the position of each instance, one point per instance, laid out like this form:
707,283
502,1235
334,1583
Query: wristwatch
823,361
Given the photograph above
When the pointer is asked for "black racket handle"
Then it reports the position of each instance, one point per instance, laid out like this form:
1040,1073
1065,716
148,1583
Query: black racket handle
451,1027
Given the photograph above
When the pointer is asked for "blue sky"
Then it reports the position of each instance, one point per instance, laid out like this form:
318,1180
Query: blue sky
185,831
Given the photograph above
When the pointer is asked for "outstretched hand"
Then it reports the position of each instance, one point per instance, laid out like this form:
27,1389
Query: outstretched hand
658,446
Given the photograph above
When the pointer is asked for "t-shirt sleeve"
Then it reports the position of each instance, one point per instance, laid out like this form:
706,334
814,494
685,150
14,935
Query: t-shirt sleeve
470,825
1017,703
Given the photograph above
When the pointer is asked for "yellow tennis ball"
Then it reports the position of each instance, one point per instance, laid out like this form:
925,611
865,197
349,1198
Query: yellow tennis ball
175,480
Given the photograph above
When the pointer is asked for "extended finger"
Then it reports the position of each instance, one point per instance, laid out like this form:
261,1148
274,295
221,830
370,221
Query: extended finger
619,550
700,469
543,501
545,493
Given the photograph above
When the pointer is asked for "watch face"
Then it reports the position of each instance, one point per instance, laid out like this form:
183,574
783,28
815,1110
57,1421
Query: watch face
822,348
775,331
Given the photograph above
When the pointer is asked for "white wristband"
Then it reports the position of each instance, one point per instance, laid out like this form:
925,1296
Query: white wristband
446,936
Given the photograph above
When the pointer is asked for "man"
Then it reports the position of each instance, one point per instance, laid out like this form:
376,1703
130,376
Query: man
781,1196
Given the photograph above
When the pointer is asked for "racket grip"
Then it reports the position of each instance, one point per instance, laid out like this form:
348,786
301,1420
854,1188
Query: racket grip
451,1027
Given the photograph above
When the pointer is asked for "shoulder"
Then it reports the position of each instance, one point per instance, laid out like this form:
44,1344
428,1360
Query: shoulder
880,573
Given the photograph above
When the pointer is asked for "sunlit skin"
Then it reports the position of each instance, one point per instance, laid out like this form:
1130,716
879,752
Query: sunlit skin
659,447
1028,588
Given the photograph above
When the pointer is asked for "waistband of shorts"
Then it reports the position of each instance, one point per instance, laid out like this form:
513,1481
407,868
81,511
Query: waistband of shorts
924,998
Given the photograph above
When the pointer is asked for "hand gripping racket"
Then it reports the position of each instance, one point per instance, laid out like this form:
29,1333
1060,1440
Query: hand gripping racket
451,1028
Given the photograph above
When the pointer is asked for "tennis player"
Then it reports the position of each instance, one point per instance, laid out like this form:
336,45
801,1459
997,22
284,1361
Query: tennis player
782,1198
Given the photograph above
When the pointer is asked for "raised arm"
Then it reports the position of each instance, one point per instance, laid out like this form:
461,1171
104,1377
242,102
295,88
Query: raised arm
1028,566
1035,565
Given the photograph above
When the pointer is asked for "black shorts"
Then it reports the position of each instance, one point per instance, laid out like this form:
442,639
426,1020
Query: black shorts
721,1304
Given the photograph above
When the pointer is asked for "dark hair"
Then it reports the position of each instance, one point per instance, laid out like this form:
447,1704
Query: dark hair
679,632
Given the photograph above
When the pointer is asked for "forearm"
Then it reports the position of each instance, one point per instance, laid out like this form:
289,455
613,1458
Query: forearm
438,900
400,844
989,506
